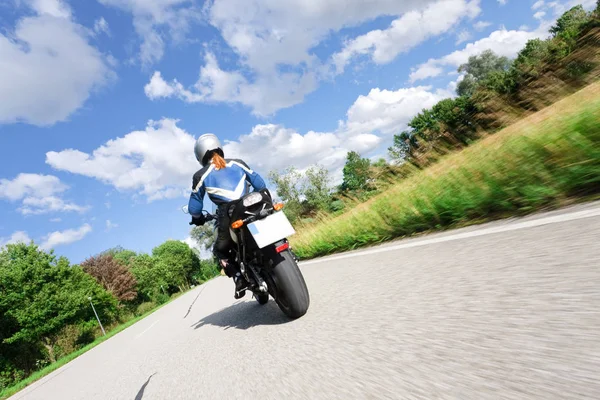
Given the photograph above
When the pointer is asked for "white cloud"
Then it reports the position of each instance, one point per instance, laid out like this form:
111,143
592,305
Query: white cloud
101,26
26,185
59,238
539,15
267,94
55,220
157,161
387,111
502,42
54,8
559,7
110,225
407,32
48,67
463,36
156,21
16,237
38,194
36,206
538,4
274,42
481,25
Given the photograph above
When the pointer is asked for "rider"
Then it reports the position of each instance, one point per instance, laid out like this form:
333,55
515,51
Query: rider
224,180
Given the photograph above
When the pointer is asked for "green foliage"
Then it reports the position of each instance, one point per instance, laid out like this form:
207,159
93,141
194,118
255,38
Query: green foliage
287,184
204,235
402,146
568,25
336,206
178,261
316,188
478,68
144,307
39,296
356,172
150,277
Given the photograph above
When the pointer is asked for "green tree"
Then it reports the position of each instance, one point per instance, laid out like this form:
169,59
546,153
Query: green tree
149,276
478,68
39,295
288,188
204,235
287,184
356,172
316,188
568,25
179,262
402,146
122,255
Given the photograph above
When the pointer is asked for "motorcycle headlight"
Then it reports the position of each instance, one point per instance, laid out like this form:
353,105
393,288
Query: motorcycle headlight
252,199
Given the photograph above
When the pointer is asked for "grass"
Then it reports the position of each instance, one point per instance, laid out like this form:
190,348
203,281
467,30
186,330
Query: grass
541,161
9,391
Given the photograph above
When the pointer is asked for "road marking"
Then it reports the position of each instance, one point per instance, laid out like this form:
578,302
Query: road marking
480,232
147,329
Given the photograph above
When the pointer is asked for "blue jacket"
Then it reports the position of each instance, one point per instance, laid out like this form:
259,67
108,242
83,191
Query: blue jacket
222,185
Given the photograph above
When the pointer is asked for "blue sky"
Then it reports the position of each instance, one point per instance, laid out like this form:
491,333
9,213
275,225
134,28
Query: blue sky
100,101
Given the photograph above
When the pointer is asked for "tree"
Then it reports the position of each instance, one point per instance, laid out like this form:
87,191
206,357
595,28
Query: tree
178,261
39,296
569,24
204,235
316,188
112,275
287,184
288,189
402,146
122,255
356,172
478,68
149,276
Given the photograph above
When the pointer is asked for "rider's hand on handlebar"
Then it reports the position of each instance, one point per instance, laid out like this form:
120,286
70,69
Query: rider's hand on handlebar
198,220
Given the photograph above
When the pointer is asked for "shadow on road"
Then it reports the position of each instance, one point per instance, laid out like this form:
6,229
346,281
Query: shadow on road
244,315
140,393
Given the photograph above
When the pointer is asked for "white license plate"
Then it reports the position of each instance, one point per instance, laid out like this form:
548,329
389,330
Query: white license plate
271,229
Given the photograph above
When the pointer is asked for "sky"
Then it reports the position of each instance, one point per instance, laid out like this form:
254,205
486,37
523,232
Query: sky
101,100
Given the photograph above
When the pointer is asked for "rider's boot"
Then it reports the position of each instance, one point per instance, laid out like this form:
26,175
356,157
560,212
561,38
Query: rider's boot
240,286
240,282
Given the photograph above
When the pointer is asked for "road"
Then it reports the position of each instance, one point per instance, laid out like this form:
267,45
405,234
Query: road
506,310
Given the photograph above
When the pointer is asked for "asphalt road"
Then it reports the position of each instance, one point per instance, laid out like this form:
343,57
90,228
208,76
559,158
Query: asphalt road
507,310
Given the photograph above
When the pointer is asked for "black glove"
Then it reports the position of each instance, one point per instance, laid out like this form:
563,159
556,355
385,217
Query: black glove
198,220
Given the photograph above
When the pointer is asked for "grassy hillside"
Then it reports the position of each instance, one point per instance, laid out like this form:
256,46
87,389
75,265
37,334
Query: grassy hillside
544,160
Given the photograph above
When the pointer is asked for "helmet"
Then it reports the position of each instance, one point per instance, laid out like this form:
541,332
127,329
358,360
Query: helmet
205,145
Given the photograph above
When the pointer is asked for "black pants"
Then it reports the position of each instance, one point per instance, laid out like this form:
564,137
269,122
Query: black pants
223,244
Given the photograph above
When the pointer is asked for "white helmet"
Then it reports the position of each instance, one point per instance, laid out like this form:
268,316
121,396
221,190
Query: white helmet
206,144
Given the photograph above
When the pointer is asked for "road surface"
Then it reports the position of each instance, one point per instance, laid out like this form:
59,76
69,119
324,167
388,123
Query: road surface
507,310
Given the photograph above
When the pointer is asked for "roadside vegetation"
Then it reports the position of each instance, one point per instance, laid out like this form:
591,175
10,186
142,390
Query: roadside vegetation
495,149
46,318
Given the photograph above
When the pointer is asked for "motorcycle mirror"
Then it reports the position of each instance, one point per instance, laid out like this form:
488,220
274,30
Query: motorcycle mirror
185,209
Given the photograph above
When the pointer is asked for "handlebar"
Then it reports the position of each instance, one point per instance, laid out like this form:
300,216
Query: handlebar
207,218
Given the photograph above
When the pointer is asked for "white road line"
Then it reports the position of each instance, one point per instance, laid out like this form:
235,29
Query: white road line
481,232
147,329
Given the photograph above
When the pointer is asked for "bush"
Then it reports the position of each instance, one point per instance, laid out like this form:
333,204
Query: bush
336,205
145,307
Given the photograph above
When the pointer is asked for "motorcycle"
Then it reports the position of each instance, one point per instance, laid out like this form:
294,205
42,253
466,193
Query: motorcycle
259,230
